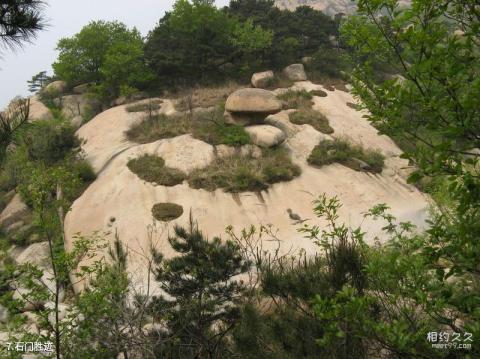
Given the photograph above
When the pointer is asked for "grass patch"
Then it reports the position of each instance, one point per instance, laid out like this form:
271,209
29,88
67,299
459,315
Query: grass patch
311,117
352,156
149,106
208,127
158,127
166,212
244,173
152,169
294,99
204,96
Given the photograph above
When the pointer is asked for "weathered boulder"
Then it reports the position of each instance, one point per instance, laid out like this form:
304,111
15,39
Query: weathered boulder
38,111
15,211
295,72
307,60
250,106
281,121
78,105
253,101
55,88
263,79
81,89
265,135
251,150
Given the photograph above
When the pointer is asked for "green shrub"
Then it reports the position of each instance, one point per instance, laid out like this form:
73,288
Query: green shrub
311,117
212,129
84,170
296,99
352,156
166,212
152,169
49,141
244,173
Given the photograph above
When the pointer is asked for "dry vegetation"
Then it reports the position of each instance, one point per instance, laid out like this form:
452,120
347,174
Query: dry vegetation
204,97
206,126
244,173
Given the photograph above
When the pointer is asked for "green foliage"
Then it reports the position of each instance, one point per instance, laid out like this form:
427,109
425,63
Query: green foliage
166,212
352,156
201,293
296,99
38,81
239,173
158,127
311,117
296,33
20,21
49,141
152,169
107,54
196,39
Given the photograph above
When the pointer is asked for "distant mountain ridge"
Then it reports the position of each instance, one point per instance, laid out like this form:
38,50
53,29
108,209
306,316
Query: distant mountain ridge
330,7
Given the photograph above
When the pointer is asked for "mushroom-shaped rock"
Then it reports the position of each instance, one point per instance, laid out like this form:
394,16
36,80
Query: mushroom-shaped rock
262,79
253,101
295,72
265,135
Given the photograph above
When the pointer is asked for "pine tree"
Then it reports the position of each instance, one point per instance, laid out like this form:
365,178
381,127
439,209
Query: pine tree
201,293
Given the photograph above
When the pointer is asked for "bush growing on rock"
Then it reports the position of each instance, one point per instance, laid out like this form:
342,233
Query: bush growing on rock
239,173
166,212
352,156
311,117
296,99
152,168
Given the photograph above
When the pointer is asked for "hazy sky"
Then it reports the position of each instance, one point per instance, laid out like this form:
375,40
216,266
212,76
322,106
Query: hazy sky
65,18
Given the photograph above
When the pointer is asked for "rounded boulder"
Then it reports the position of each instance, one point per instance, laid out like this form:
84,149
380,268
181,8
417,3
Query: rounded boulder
251,100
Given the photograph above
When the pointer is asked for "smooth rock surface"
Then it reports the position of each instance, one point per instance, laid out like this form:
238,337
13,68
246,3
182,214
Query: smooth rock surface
15,210
119,193
265,135
250,100
262,79
295,72
55,88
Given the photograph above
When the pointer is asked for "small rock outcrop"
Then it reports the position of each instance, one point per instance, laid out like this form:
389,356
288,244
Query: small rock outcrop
265,135
295,72
77,105
81,89
38,111
263,79
250,106
56,87
15,211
